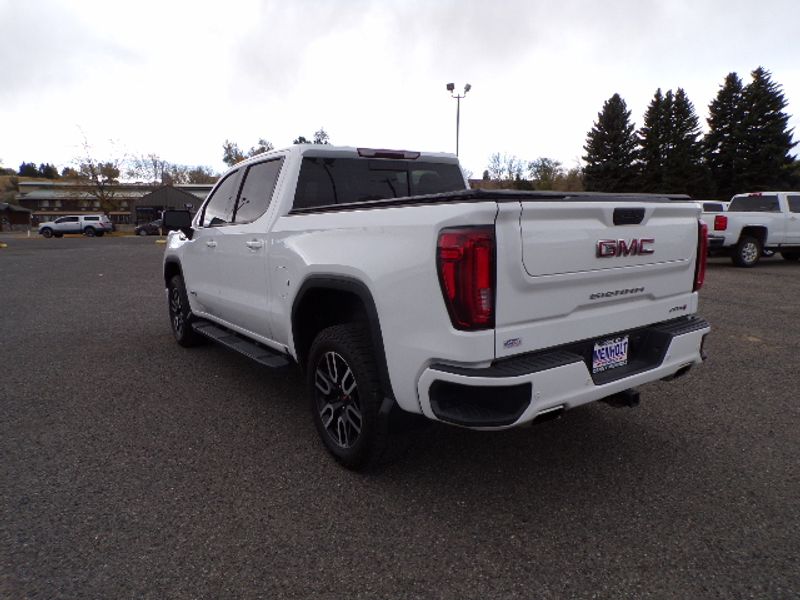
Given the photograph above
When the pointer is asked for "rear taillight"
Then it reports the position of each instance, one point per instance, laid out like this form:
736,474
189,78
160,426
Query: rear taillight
702,256
720,223
466,262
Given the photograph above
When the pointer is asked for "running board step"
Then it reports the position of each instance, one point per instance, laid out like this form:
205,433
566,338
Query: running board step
260,354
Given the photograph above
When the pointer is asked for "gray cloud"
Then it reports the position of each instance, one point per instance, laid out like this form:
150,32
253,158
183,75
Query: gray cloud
44,45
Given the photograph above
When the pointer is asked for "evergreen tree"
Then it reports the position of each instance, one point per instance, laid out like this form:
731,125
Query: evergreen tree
653,142
48,171
28,170
685,171
670,154
722,143
611,149
766,141
794,174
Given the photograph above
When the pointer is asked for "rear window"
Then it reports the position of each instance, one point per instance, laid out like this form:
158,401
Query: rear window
326,181
765,203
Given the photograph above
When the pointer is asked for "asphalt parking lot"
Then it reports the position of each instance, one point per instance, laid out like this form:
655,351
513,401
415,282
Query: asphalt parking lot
133,468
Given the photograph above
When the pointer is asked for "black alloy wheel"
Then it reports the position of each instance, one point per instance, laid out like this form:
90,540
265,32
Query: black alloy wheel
89,232
47,232
337,398
180,315
346,395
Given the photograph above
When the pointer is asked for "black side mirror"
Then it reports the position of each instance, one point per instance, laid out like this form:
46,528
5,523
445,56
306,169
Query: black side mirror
180,220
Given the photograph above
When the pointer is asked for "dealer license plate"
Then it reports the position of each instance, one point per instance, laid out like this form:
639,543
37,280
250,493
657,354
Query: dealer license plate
610,354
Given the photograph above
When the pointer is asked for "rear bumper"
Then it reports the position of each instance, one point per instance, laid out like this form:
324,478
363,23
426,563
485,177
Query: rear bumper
515,391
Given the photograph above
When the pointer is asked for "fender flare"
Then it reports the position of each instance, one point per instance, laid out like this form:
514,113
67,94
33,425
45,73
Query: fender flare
362,292
171,261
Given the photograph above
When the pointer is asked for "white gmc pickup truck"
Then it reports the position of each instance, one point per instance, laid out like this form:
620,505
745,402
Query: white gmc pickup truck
757,222
399,291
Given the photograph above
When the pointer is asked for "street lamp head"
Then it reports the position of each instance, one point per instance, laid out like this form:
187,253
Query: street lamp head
451,87
467,88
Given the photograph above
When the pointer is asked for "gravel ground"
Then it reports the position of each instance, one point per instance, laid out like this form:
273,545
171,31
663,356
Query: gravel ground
133,468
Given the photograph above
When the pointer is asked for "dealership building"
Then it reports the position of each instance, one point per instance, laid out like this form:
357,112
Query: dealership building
132,203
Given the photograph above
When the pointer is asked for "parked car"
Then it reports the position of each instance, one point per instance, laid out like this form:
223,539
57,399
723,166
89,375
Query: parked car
401,292
89,225
151,228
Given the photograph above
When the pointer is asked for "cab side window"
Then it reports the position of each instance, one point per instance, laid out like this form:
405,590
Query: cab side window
220,206
794,203
259,183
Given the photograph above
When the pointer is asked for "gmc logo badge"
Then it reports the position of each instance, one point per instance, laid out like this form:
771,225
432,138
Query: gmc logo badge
636,247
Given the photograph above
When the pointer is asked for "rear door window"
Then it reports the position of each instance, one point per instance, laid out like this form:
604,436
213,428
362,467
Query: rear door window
794,203
259,184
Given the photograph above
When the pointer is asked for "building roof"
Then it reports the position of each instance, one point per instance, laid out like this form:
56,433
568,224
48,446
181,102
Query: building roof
168,196
60,190
13,208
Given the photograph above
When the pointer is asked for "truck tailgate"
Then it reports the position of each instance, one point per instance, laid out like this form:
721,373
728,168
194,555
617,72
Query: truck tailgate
567,272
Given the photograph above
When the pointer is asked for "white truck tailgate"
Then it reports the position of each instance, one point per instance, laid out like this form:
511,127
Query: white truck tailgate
567,272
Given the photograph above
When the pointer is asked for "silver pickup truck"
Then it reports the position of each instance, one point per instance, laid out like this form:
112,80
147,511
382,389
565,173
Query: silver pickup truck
88,225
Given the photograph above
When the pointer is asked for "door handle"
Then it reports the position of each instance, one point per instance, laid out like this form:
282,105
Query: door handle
211,244
254,244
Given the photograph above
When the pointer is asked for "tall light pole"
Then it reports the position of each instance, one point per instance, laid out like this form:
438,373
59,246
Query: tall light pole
450,88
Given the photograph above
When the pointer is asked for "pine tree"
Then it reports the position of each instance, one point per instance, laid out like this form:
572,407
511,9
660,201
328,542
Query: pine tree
766,141
684,171
28,170
722,143
48,171
654,143
611,149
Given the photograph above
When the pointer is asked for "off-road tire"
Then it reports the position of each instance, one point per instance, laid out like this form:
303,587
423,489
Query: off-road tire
180,316
747,252
346,397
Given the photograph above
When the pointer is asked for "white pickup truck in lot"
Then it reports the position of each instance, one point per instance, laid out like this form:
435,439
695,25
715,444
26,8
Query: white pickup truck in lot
399,291
755,223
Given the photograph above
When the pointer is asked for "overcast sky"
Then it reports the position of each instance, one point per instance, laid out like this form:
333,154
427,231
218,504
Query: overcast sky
177,78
